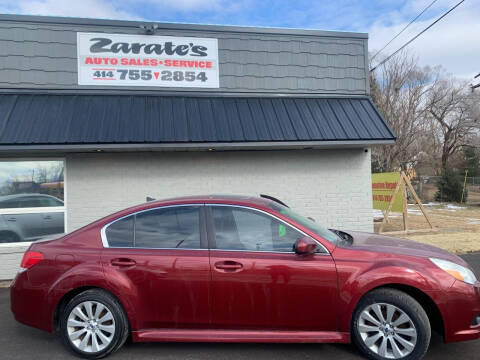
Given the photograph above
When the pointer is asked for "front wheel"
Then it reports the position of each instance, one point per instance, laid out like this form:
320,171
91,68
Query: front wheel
93,324
390,324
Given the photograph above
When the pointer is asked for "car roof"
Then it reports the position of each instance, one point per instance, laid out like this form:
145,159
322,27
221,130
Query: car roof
254,200
241,200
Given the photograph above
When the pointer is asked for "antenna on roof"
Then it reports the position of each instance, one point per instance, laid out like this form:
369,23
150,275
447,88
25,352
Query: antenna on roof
150,199
273,199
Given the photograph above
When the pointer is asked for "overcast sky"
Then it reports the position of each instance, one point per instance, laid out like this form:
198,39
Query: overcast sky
453,43
22,170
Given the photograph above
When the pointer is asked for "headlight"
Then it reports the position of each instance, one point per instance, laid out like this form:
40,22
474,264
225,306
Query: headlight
457,271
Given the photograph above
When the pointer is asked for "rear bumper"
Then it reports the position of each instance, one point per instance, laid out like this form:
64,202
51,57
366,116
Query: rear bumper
28,305
460,306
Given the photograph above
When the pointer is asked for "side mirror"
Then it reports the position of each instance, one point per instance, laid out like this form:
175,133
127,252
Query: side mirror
305,246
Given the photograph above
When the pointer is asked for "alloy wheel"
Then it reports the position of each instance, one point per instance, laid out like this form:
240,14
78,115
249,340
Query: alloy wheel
90,326
387,331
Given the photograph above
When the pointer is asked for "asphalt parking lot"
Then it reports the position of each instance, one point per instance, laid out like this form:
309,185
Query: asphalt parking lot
21,342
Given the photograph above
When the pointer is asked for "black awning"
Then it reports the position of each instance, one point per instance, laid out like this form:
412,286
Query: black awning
59,121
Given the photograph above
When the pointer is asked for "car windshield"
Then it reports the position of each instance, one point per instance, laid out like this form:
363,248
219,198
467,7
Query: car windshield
306,222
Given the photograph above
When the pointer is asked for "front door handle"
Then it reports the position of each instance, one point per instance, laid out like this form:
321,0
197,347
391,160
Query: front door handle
123,262
12,219
228,266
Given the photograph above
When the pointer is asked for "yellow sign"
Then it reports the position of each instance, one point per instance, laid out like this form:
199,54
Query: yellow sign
383,186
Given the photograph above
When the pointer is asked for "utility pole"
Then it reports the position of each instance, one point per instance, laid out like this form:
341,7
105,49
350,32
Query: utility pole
464,185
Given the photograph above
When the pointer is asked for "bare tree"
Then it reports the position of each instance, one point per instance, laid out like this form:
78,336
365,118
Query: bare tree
41,174
398,89
452,110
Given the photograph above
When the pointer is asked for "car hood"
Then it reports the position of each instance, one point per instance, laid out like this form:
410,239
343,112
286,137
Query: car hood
394,245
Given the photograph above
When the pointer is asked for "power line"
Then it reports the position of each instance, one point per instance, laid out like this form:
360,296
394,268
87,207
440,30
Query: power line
476,85
405,28
416,36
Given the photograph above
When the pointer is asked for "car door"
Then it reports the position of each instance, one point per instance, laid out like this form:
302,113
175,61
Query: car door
258,282
53,221
26,226
161,257
29,226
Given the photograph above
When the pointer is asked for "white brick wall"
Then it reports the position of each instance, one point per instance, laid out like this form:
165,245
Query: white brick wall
10,257
332,186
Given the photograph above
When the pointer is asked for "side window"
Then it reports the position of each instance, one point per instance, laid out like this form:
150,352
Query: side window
120,233
47,202
10,204
56,202
30,202
175,227
243,229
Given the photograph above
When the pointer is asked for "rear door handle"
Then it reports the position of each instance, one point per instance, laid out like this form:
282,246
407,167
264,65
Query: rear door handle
123,262
228,266
12,219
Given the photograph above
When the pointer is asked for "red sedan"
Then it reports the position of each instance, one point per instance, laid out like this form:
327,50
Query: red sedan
242,269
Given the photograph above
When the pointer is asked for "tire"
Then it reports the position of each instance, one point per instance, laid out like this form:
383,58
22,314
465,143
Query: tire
99,337
406,334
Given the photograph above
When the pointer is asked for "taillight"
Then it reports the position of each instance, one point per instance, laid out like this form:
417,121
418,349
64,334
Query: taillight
31,258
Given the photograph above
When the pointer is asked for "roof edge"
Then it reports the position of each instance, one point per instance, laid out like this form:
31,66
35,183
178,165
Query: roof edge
159,93
38,149
179,26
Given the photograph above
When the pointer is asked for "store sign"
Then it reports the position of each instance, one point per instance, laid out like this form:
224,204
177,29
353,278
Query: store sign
146,60
383,186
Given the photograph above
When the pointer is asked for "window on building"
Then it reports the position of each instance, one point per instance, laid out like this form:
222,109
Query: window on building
250,230
31,200
168,228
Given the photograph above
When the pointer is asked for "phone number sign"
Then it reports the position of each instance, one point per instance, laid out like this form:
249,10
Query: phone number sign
145,60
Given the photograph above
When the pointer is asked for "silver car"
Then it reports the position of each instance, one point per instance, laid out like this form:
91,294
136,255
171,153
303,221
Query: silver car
21,226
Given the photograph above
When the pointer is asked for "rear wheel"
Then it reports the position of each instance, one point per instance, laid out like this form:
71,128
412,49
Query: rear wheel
93,324
390,324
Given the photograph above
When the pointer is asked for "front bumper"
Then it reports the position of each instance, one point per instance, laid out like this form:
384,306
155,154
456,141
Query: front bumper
460,306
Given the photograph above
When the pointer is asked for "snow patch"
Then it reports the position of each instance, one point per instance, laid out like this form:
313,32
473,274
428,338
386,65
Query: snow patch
378,214
455,207
414,211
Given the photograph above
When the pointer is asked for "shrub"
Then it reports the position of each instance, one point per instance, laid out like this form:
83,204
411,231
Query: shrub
450,187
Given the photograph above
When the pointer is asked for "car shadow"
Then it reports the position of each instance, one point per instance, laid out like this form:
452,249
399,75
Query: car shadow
18,341
238,351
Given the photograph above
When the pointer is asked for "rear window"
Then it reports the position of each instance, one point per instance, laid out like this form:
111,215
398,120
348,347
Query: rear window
169,228
162,228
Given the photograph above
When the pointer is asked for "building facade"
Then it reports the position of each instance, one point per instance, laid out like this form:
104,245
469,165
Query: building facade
98,115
